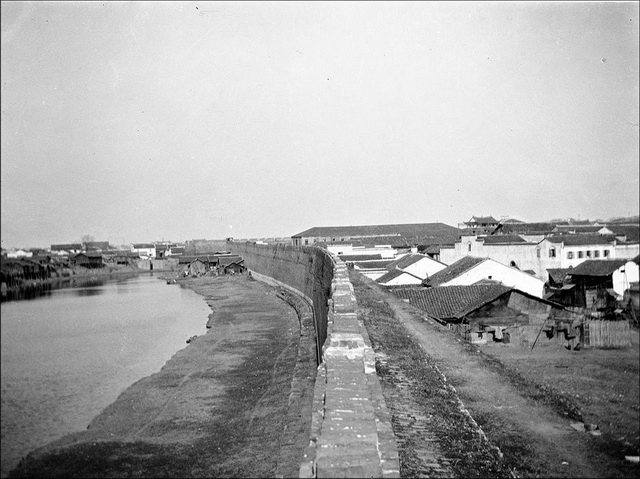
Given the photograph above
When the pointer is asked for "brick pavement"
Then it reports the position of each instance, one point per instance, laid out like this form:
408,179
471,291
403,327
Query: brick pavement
351,433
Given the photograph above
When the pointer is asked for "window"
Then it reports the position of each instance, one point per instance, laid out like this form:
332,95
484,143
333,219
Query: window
469,246
596,254
552,252
570,255
588,253
580,254
306,241
538,252
605,253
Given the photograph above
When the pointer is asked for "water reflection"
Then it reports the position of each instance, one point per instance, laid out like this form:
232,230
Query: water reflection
83,286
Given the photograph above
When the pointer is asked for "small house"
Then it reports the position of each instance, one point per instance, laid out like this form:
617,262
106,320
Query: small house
469,270
88,260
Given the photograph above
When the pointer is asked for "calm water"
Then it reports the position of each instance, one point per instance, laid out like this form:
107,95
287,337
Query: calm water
69,354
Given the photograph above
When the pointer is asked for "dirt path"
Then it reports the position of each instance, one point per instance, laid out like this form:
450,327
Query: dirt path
221,407
535,439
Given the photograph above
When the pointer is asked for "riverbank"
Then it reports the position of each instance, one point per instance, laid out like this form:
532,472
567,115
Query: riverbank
32,288
223,406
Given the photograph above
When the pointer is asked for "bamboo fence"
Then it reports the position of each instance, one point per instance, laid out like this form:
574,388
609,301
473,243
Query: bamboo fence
607,334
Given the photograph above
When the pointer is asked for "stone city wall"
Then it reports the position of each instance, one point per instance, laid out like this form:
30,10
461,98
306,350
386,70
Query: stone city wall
351,433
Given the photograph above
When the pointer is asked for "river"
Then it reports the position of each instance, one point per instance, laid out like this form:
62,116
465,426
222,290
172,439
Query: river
68,354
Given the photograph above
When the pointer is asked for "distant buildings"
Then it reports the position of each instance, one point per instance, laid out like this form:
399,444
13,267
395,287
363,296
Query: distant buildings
401,236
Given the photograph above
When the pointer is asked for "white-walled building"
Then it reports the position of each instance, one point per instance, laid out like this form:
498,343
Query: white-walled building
554,251
347,249
144,250
397,277
410,268
472,270
417,264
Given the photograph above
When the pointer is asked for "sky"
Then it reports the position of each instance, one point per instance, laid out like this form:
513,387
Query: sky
150,121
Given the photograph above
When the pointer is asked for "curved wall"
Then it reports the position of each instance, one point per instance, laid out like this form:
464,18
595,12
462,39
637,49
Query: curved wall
351,432
307,270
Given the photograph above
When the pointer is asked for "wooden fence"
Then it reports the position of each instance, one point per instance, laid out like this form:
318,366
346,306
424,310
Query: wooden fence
606,334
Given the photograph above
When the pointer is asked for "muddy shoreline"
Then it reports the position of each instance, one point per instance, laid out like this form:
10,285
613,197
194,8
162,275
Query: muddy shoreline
235,402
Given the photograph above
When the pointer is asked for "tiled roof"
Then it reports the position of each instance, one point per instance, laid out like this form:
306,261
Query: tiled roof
527,228
579,228
434,248
558,274
143,245
226,260
405,261
89,254
581,239
482,219
65,247
453,271
452,302
360,257
385,278
371,264
502,239
97,244
632,232
598,267
412,230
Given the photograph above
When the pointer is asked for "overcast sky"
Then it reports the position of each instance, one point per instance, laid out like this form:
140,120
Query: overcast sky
144,121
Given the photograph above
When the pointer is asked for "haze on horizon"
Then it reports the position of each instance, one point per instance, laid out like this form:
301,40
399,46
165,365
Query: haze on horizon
142,121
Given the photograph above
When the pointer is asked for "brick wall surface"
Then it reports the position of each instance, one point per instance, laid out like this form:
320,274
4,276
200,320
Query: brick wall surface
351,434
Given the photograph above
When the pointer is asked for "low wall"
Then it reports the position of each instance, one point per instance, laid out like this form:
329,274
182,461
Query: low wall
351,432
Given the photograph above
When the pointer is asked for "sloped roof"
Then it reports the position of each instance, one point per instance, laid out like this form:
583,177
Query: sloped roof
558,274
581,239
227,260
434,248
632,232
143,245
526,228
407,260
502,239
97,244
452,302
579,228
482,219
453,271
360,257
371,264
65,247
89,254
411,230
393,274
598,267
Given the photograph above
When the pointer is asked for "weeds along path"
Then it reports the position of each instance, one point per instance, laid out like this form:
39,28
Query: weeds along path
446,397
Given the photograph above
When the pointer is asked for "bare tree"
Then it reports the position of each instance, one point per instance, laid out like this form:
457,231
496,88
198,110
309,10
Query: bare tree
87,239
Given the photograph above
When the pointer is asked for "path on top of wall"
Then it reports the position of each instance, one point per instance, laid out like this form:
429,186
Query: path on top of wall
351,433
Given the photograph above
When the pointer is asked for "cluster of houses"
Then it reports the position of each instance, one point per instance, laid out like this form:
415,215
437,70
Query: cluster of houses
21,267
503,280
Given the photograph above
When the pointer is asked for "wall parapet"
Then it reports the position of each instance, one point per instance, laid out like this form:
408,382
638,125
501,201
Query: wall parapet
351,433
